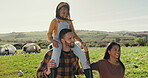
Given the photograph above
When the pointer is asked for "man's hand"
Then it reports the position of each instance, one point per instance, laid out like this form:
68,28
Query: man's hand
50,65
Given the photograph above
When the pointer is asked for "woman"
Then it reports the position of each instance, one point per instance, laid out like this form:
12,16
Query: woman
110,66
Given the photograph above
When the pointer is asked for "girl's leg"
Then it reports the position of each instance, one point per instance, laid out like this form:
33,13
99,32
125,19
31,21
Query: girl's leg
81,55
56,54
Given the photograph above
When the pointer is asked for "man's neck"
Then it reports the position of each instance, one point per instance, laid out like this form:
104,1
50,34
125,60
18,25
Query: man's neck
66,48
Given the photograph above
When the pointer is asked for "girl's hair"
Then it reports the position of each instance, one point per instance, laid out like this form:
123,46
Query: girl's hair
62,5
107,56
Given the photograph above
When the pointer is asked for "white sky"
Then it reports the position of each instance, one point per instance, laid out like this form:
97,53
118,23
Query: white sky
102,15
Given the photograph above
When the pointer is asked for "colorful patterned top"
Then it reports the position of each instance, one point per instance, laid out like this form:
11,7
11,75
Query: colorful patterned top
68,66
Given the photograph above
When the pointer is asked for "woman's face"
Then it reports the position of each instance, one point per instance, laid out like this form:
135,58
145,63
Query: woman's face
114,52
64,13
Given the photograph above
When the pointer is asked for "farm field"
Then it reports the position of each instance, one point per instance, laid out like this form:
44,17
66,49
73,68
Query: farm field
134,59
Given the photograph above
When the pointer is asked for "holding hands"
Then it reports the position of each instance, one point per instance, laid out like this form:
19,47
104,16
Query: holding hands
84,46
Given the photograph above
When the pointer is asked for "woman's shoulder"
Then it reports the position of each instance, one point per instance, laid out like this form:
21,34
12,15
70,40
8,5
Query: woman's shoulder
102,61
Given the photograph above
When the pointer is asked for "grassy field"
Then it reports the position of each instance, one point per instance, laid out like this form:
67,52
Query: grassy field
135,60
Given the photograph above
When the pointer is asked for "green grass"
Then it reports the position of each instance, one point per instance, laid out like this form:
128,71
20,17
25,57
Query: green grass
132,57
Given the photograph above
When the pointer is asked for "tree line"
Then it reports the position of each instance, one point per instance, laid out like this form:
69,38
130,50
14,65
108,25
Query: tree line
90,43
123,42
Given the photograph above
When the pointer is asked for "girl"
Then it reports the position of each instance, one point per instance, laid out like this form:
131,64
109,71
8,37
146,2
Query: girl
110,66
63,21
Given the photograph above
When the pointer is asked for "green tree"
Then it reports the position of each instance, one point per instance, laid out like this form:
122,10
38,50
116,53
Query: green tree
142,41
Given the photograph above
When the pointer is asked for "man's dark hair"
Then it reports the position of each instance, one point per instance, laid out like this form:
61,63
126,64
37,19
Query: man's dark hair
63,32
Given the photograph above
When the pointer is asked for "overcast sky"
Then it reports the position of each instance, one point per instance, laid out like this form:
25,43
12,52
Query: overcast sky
102,15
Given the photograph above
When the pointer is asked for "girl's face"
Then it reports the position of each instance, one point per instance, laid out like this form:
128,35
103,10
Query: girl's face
114,52
64,13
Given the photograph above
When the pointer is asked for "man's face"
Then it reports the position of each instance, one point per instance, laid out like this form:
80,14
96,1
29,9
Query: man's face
69,39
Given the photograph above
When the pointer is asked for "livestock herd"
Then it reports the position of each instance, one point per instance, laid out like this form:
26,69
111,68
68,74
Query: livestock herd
9,49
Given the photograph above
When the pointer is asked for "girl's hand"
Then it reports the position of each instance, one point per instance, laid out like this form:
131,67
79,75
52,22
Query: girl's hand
55,43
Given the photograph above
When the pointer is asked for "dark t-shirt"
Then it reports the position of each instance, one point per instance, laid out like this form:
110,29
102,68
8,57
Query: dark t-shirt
108,70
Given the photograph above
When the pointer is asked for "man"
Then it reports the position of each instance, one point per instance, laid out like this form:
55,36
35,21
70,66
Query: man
68,66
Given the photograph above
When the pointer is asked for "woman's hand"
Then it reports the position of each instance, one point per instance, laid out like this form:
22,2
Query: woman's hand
84,46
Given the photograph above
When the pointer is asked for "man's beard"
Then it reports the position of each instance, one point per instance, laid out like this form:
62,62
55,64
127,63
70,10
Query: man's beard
69,44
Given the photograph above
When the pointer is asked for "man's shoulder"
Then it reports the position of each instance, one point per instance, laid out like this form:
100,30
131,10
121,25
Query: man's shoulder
48,54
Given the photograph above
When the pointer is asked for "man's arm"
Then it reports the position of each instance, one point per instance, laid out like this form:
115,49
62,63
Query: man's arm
43,71
77,68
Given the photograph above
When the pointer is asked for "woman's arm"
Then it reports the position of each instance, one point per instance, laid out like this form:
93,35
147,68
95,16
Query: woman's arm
95,65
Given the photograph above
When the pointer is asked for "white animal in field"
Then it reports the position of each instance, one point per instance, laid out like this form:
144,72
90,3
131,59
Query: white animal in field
7,49
31,48
50,46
